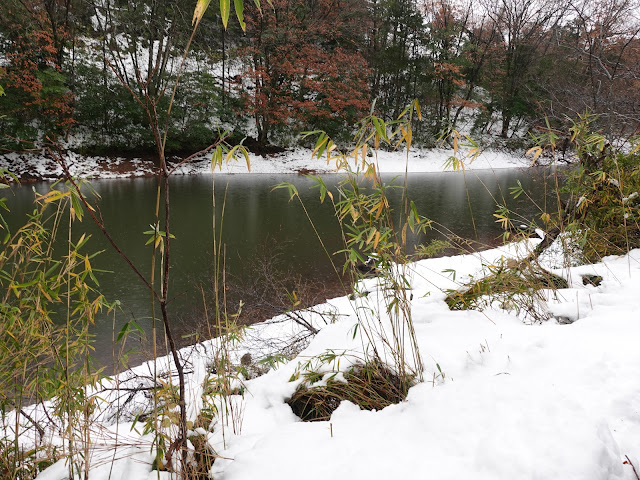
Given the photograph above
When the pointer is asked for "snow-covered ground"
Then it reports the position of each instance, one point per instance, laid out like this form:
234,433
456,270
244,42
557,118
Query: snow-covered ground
292,161
502,398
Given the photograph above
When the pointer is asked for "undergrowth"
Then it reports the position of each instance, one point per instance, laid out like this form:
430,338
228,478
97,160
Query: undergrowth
515,288
371,386
602,213
48,303
597,215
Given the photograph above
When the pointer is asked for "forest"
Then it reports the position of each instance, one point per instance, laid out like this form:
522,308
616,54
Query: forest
498,69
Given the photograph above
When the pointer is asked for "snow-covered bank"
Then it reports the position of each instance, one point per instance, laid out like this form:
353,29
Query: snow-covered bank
518,400
293,161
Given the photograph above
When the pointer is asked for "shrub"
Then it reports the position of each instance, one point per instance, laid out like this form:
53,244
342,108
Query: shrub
48,302
603,210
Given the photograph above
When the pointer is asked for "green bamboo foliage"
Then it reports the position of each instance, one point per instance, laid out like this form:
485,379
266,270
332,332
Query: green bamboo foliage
373,231
48,304
601,212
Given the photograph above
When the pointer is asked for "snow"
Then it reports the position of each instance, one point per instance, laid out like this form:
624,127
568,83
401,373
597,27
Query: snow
517,399
292,161
503,397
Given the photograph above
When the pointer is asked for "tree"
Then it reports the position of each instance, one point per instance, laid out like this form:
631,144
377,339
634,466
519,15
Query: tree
524,28
481,34
598,54
302,67
395,42
38,98
452,69
136,47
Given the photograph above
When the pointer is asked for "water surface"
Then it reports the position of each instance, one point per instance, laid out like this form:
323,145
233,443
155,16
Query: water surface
259,221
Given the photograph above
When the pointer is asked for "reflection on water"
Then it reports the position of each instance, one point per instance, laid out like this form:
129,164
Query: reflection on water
257,218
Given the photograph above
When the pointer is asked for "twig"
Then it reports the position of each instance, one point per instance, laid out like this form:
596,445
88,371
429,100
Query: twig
635,472
60,160
35,424
130,389
297,318
191,157
46,412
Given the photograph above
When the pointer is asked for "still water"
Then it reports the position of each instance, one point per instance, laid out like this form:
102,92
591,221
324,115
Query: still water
257,220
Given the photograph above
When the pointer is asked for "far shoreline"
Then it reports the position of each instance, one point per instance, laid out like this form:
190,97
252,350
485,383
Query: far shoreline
32,167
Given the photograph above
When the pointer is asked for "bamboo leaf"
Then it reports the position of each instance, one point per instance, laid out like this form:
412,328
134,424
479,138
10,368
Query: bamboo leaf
23,285
416,104
230,154
53,195
537,151
373,106
318,150
414,211
246,157
404,112
95,280
292,190
308,133
372,233
370,172
324,147
381,128
216,158
225,9
502,220
198,13
380,209
240,13
323,190
76,205
83,239
46,295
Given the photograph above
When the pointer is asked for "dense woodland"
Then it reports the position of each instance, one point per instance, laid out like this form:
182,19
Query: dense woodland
495,68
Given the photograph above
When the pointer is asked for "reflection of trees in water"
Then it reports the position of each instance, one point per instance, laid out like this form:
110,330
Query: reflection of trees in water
254,213
265,285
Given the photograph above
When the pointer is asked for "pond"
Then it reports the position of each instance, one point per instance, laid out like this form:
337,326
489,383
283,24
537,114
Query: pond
260,223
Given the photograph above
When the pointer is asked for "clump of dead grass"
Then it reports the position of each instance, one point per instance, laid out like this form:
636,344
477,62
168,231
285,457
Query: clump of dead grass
519,288
371,386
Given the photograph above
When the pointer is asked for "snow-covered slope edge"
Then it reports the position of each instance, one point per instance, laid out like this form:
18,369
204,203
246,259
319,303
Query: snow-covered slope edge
518,400
292,161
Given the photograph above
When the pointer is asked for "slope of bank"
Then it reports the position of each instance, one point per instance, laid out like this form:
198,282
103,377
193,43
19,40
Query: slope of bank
41,167
503,398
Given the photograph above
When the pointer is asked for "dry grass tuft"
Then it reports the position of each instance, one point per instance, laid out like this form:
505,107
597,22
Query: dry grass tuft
516,289
371,386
